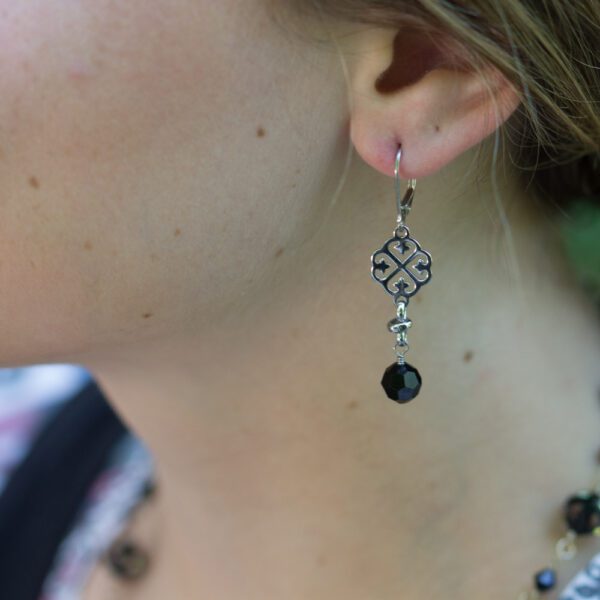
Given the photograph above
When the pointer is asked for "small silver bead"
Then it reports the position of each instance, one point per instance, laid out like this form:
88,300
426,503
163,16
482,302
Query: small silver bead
397,326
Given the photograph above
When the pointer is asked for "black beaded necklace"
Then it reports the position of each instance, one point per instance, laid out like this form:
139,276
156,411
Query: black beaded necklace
581,514
127,560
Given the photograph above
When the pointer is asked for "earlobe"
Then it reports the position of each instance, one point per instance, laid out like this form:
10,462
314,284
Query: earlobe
435,107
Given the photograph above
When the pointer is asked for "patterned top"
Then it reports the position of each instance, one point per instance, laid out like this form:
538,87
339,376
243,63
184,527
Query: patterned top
28,397
586,584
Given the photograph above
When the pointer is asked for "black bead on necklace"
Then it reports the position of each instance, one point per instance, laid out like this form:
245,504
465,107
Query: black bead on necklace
581,515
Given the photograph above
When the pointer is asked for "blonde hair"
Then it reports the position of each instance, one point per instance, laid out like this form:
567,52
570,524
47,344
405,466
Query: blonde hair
548,49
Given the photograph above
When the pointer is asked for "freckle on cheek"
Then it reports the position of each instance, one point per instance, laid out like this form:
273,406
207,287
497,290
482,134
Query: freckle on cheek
177,231
34,182
88,245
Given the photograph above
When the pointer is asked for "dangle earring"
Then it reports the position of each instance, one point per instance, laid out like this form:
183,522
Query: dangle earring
401,266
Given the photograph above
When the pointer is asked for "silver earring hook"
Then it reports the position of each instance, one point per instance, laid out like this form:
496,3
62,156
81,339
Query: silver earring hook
403,203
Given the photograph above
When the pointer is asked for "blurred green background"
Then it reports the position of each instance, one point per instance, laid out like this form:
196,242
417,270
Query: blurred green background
581,235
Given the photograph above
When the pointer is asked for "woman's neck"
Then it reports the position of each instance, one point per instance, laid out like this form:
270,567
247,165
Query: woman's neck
285,470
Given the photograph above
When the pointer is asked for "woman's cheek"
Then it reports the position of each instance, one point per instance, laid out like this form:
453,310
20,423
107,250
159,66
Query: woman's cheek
92,98
129,152
117,123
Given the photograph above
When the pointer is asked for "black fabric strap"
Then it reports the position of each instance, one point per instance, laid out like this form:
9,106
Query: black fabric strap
43,495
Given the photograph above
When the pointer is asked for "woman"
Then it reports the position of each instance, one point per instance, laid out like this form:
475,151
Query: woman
192,192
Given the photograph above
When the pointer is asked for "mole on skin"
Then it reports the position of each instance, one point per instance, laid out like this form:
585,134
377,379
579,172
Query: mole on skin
260,132
88,245
177,231
321,560
468,356
279,252
147,315
34,182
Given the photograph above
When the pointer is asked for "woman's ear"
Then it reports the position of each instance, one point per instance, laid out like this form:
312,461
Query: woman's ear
416,90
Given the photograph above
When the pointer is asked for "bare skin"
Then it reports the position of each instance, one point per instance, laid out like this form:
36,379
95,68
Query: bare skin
166,225
317,486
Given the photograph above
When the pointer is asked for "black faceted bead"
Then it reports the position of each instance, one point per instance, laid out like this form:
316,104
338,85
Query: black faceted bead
545,579
582,512
401,382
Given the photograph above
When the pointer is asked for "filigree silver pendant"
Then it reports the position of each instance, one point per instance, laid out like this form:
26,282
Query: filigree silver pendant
401,266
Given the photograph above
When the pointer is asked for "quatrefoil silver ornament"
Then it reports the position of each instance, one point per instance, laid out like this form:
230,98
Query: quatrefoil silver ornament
401,266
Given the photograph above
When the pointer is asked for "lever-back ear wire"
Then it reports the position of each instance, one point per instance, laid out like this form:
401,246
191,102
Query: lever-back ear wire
403,203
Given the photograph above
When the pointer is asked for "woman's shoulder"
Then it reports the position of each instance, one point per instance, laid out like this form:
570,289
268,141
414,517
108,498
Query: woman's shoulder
29,396
70,474
585,584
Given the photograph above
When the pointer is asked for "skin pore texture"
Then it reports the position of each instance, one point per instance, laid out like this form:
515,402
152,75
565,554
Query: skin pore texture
172,219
